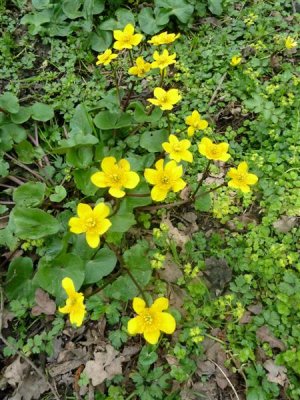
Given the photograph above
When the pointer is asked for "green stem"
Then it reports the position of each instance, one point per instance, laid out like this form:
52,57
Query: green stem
116,82
169,123
162,75
204,176
131,58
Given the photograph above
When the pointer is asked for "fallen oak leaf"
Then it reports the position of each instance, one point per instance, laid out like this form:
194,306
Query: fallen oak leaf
44,305
265,335
276,373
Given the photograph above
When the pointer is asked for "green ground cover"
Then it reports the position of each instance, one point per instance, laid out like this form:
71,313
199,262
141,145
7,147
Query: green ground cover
227,260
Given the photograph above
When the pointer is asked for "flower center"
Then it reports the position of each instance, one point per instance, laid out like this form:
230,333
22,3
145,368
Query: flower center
214,151
116,178
90,223
164,99
148,319
165,179
126,38
241,178
177,148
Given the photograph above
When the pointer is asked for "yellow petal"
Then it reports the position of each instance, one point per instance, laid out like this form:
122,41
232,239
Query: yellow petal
77,316
154,102
178,185
84,210
159,165
166,322
68,285
132,180
159,92
224,157
243,167
76,225
191,131
167,147
152,336
107,164
92,239
118,46
173,139
135,325
138,305
64,310
101,210
99,179
187,156
203,124
124,164
251,179
151,175
116,192
129,29
158,194
118,35
104,227
160,304
232,173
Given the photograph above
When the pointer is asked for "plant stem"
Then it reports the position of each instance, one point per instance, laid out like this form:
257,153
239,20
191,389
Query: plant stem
116,83
169,123
138,194
204,176
131,58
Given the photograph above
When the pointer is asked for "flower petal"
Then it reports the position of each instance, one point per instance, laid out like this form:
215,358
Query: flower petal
203,124
101,211
116,192
151,175
138,305
76,225
251,179
158,194
152,336
159,92
124,164
135,325
129,29
99,179
167,322
64,310
84,210
118,34
77,315
104,227
243,167
107,164
178,185
132,180
160,304
68,285
92,239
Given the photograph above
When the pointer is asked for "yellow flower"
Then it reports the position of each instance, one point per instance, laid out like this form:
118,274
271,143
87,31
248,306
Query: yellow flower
126,39
150,321
178,149
236,60
212,151
290,43
74,303
106,57
195,123
116,176
140,68
165,99
240,178
163,60
164,179
163,38
92,222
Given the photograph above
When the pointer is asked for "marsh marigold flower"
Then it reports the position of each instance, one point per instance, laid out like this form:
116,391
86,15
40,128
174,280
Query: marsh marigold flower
240,178
163,60
140,68
163,38
92,222
74,303
126,39
106,57
150,321
195,123
165,100
212,151
178,149
290,43
164,178
235,60
116,176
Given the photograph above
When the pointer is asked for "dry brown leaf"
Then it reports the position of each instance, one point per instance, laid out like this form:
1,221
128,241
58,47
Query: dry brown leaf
32,387
106,365
255,308
246,318
179,237
44,305
285,223
16,371
170,271
276,373
206,368
218,274
265,335
63,368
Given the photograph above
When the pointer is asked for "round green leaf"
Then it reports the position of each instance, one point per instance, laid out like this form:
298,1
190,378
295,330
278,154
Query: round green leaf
102,265
19,279
9,102
22,115
42,112
59,195
31,194
152,141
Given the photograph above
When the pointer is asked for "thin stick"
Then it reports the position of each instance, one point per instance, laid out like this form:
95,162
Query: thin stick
16,180
22,355
217,89
204,176
226,377
38,176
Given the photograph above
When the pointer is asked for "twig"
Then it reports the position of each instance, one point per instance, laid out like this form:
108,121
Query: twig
38,176
22,355
16,180
226,377
217,89
204,176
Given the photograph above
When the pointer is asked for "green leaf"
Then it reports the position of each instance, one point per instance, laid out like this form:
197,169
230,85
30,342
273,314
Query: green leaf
152,141
101,265
82,178
76,140
71,8
4,168
141,115
108,120
122,221
9,102
203,203
19,279
215,6
180,8
40,4
50,274
124,17
42,112
122,288
98,7
30,194
80,157
32,223
147,22
59,195
36,20
22,115
25,151
101,40
81,120
14,132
